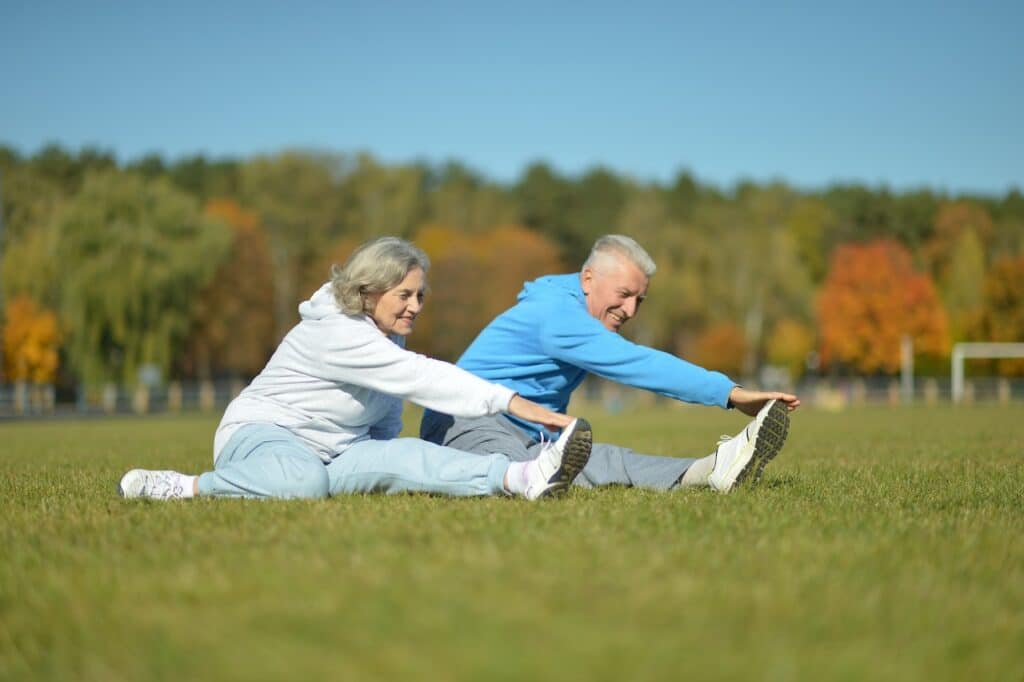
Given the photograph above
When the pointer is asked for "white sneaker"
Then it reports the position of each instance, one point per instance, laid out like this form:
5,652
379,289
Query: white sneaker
559,462
159,485
745,455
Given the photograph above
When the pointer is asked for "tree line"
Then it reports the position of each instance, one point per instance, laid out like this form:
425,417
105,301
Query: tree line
194,268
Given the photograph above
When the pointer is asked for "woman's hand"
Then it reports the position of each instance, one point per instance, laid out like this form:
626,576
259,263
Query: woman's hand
532,412
750,402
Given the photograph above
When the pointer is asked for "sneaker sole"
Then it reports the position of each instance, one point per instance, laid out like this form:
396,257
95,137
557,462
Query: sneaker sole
574,457
769,440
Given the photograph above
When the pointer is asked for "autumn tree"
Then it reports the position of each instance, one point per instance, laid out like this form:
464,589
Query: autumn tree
721,347
233,320
871,297
31,340
319,272
789,344
473,278
952,220
1002,317
457,282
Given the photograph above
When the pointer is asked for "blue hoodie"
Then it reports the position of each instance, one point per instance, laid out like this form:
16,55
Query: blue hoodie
543,347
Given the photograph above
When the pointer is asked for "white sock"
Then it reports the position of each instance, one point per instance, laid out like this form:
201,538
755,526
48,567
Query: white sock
517,477
187,485
698,473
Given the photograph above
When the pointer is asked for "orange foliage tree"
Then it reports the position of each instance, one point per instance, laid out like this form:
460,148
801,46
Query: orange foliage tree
473,278
1002,317
871,297
31,340
721,347
233,330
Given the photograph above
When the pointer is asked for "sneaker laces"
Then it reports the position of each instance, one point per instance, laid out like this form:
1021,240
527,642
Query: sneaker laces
164,486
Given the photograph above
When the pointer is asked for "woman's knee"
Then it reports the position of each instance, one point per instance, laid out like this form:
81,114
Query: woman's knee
308,480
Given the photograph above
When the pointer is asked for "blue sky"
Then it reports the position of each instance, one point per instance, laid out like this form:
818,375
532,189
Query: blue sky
905,94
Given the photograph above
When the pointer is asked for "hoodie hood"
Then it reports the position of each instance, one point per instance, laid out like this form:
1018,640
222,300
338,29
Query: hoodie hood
320,305
553,286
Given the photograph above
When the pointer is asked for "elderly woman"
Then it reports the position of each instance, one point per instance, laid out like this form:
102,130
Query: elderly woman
323,416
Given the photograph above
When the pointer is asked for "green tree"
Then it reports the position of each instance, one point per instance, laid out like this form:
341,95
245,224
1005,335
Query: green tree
963,284
544,199
133,256
811,225
383,200
68,170
598,200
201,178
300,206
462,198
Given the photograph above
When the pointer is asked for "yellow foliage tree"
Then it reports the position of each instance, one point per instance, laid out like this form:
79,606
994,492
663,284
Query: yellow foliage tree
31,340
789,345
1002,319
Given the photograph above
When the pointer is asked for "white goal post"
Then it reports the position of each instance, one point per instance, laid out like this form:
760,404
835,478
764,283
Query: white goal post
961,351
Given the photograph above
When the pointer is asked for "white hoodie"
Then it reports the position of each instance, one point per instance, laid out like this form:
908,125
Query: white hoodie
336,380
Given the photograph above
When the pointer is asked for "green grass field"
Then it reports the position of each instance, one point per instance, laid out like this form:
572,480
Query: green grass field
882,544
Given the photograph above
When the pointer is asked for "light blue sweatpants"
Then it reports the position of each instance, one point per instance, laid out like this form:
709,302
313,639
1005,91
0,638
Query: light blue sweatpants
264,460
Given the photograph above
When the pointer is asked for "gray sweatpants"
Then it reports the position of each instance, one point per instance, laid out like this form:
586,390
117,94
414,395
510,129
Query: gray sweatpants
608,465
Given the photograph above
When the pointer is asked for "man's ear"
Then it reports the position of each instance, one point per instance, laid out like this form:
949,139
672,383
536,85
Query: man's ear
586,280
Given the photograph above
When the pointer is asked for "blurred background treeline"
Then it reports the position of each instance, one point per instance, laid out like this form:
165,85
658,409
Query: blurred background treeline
162,273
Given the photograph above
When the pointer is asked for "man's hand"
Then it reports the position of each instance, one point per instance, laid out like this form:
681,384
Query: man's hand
538,414
750,402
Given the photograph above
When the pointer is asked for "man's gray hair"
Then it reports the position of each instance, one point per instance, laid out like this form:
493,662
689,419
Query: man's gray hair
621,245
374,268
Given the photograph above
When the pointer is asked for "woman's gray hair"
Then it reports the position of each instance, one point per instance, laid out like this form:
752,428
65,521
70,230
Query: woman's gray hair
374,268
621,245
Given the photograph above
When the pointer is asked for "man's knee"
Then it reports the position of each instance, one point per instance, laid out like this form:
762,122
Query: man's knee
434,426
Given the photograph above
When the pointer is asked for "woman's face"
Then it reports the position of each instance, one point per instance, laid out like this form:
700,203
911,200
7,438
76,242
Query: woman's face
395,310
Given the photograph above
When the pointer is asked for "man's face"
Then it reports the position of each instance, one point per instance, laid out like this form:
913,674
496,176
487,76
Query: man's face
615,288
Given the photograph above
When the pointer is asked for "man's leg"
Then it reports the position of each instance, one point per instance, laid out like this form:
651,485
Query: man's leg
479,435
616,465
608,465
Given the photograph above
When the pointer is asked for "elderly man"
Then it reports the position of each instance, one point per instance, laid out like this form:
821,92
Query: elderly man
565,326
